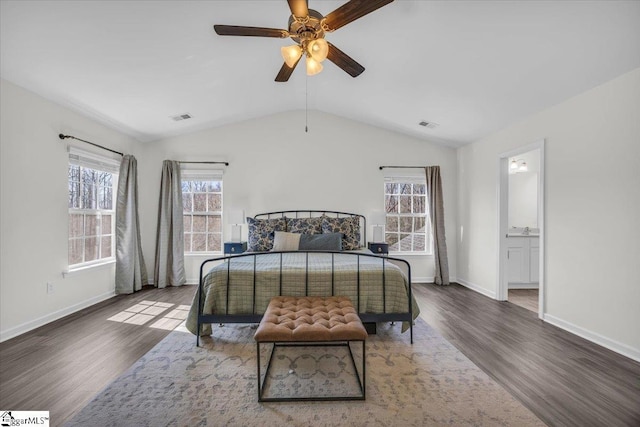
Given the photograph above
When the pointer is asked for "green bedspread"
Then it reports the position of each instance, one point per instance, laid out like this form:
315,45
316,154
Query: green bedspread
295,279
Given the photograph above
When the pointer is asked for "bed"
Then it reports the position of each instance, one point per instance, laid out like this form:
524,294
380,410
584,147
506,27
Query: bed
238,288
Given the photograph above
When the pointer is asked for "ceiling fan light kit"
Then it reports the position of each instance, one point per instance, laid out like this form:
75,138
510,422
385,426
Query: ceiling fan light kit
291,54
313,66
307,27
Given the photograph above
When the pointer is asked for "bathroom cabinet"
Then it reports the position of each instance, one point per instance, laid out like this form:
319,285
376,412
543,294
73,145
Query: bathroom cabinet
523,261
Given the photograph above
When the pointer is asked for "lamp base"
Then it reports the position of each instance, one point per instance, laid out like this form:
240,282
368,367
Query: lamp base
378,233
236,233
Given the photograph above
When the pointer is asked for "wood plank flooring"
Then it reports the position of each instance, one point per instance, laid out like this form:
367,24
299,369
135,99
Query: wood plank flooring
61,366
527,298
563,379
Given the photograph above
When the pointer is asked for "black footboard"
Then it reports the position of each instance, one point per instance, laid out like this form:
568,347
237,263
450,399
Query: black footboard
364,287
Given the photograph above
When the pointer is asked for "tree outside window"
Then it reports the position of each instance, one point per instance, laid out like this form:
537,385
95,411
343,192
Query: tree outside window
202,202
91,215
407,227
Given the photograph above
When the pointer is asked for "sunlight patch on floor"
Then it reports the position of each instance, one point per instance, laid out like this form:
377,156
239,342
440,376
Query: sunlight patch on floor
146,311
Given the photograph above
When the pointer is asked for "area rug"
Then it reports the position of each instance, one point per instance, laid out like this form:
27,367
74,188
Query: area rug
429,383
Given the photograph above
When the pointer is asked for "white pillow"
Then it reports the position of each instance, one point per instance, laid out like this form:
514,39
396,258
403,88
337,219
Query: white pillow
284,241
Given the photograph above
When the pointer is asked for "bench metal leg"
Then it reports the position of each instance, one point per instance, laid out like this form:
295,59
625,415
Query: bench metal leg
361,382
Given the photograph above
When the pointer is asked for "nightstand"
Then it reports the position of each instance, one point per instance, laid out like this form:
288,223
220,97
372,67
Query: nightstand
232,248
379,248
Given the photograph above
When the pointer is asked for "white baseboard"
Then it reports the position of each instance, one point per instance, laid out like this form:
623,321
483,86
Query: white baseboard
625,350
474,287
41,321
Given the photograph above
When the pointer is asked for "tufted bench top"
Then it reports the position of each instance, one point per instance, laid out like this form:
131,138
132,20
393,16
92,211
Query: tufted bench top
289,319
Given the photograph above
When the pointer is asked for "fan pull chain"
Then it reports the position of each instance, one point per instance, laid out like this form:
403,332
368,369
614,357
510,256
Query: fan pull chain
306,103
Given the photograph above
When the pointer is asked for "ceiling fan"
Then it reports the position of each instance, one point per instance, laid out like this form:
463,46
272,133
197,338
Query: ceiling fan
307,28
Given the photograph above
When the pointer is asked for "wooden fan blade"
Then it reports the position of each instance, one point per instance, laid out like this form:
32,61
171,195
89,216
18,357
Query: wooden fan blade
344,61
299,8
234,30
285,72
351,11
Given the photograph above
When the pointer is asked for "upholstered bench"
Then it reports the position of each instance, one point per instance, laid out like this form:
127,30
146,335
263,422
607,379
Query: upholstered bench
311,321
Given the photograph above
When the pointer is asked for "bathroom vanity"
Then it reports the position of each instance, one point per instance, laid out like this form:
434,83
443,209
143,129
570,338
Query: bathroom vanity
523,260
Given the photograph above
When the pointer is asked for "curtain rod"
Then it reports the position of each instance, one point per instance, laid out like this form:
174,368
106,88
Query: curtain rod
209,163
404,167
61,136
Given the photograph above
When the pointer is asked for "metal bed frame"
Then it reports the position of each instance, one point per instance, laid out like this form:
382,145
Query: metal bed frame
256,318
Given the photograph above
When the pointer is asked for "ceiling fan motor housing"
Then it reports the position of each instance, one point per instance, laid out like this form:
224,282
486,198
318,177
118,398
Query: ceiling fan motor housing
303,31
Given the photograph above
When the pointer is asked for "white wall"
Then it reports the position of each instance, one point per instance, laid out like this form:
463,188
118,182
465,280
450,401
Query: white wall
592,206
275,165
34,212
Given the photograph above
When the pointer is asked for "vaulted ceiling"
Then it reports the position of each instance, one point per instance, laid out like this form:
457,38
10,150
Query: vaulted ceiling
472,67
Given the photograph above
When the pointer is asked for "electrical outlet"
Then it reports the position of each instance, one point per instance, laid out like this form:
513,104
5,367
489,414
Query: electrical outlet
49,287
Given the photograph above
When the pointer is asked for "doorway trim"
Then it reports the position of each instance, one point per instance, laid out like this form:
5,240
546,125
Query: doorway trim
503,221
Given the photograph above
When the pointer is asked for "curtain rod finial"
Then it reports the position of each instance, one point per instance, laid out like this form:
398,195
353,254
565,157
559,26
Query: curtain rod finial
61,136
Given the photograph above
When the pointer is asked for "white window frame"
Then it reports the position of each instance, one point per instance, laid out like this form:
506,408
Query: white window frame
204,175
89,160
412,179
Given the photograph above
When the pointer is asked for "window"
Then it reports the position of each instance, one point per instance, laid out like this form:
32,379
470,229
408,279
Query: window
202,201
407,226
91,209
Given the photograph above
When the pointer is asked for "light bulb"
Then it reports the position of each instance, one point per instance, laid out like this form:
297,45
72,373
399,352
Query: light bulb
313,66
514,165
523,167
291,54
318,49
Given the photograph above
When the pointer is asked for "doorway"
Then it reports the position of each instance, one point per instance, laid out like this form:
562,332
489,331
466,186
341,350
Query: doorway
521,227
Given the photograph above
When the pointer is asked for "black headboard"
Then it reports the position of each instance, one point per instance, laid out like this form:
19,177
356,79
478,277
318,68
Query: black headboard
309,213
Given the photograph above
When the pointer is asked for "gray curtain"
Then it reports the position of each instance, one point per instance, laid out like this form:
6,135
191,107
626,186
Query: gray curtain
169,263
131,272
436,213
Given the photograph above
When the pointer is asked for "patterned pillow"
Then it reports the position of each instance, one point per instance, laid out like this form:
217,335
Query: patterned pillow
305,225
261,232
348,226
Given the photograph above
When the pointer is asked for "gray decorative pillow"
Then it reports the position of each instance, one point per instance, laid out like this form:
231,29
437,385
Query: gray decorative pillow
321,242
348,226
261,233
305,225
284,241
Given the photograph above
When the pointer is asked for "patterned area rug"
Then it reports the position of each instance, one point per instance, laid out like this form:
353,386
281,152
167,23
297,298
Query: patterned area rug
428,383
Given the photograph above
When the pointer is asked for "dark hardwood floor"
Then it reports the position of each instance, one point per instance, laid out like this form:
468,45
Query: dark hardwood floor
562,378
61,366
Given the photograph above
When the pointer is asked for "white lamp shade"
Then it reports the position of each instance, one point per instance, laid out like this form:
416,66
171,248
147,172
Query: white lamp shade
236,216
318,49
313,67
378,218
291,54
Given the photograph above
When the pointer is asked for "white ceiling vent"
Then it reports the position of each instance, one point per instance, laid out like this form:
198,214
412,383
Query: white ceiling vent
179,117
430,125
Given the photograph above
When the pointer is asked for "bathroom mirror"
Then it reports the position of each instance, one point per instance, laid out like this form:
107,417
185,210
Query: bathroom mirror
523,200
